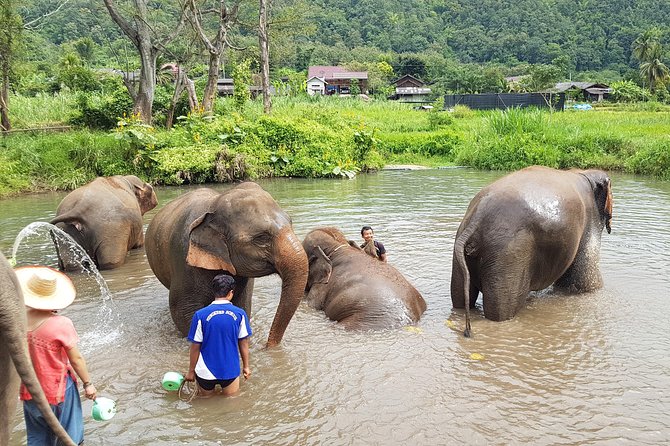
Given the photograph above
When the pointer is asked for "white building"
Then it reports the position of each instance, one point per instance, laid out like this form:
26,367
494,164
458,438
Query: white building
316,85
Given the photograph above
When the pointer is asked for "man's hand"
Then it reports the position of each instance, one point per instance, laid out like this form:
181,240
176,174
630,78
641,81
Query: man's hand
247,372
190,376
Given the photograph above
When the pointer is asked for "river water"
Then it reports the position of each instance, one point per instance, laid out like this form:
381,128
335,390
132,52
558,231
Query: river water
569,370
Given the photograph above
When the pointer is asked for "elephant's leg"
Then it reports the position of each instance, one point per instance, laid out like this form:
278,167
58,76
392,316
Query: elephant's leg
505,286
244,290
188,294
111,252
583,274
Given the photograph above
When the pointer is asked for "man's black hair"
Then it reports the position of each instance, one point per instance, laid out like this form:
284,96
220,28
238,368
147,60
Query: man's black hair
222,285
365,228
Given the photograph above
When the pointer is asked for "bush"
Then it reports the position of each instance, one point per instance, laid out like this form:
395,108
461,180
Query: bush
628,91
101,111
654,160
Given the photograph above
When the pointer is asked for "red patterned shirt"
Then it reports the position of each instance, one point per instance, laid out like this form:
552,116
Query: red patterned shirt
48,345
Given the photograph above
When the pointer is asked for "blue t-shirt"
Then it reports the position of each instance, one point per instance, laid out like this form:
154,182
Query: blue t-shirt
217,328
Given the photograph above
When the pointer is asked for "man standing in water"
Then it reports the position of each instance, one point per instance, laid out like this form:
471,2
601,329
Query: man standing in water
372,247
219,335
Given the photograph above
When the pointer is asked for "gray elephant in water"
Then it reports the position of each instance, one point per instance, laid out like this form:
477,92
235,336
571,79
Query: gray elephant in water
355,289
528,230
242,231
15,364
105,218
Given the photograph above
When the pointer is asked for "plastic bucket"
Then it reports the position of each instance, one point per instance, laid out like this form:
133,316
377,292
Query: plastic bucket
172,381
103,409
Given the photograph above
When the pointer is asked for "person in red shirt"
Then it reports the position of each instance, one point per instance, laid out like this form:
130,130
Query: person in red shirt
52,342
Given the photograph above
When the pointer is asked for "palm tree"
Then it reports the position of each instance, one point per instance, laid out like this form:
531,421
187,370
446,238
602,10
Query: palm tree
647,46
654,72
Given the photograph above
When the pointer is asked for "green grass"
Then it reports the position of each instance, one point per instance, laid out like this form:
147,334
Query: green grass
329,136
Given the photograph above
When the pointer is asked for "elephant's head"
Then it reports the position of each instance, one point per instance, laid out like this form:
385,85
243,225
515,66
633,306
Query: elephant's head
320,244
146,197
602,191
246,233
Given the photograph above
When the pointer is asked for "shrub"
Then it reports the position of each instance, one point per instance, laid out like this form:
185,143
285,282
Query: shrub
628,91
654,160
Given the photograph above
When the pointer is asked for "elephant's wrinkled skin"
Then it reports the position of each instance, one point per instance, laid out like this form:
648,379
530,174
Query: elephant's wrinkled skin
15,364
105,217
242,231
355,289
528,230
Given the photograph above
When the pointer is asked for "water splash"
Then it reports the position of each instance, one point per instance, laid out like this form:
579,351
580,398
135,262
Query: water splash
51,246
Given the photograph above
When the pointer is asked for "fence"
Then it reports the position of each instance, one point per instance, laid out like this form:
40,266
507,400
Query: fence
489,101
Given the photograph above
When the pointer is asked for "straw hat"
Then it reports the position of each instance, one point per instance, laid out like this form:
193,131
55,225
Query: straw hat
45,288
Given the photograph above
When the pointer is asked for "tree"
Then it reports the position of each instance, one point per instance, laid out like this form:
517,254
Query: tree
149,43
226,19
10,30
647,45
241,82
265,54
655,72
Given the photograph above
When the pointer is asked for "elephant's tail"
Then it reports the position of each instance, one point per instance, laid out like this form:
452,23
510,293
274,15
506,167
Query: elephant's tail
459,256
24,367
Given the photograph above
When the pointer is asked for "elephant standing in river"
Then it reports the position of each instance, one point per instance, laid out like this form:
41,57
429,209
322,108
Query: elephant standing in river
15,363
355,289
528,230
242,231
105,218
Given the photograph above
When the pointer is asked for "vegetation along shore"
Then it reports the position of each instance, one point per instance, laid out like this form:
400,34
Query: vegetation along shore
324,137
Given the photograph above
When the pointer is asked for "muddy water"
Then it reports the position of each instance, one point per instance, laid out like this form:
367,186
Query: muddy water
587,369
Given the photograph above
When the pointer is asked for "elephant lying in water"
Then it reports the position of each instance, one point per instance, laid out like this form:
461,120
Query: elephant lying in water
105,218
15,364
526,231
355,289
242,231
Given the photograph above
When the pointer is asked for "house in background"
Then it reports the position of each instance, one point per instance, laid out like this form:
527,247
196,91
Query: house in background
410,89
589,91
224,86
335,80
316,85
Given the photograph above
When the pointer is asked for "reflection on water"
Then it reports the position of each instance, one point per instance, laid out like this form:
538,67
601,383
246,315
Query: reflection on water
587,369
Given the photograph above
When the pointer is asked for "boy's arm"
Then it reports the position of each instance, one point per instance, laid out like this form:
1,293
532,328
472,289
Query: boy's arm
244,353
193,355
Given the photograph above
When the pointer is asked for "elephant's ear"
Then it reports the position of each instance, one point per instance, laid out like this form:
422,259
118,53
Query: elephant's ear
144,192
602,189
320,267
207,247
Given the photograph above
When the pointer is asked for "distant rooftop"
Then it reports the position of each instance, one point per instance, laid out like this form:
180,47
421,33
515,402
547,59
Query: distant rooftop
332,72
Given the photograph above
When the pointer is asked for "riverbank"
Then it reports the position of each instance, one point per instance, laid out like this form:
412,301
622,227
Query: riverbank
331,137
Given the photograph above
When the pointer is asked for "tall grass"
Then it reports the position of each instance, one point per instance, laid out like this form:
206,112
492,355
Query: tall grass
42,110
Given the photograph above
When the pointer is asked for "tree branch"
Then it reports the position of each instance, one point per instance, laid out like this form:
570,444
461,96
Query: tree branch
29,25
121,22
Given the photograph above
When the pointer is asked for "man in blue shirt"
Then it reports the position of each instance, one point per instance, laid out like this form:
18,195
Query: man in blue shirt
219,335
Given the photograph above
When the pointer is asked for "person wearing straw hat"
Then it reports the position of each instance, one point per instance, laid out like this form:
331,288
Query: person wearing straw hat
52,342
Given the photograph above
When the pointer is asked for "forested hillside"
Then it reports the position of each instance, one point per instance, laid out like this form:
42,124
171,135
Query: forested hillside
575,35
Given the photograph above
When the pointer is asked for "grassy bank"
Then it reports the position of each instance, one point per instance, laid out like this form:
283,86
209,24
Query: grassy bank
327,137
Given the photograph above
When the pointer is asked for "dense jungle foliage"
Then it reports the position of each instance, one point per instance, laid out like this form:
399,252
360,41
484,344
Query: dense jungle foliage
440,41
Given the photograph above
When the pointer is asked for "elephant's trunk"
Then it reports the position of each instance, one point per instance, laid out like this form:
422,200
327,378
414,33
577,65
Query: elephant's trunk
291,264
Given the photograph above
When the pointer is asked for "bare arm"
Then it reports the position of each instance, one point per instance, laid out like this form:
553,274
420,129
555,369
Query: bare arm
79,365
383,257
193,355
244,353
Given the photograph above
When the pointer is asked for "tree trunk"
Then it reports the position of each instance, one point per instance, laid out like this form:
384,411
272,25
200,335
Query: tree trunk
5,125
265,55
211,89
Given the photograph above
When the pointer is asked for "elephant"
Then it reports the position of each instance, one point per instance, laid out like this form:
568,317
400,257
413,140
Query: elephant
15,363
241,231
526,231
353,288
105,218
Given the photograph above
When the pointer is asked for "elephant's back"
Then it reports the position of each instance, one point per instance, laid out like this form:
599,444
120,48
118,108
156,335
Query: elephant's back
371,294
166,237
